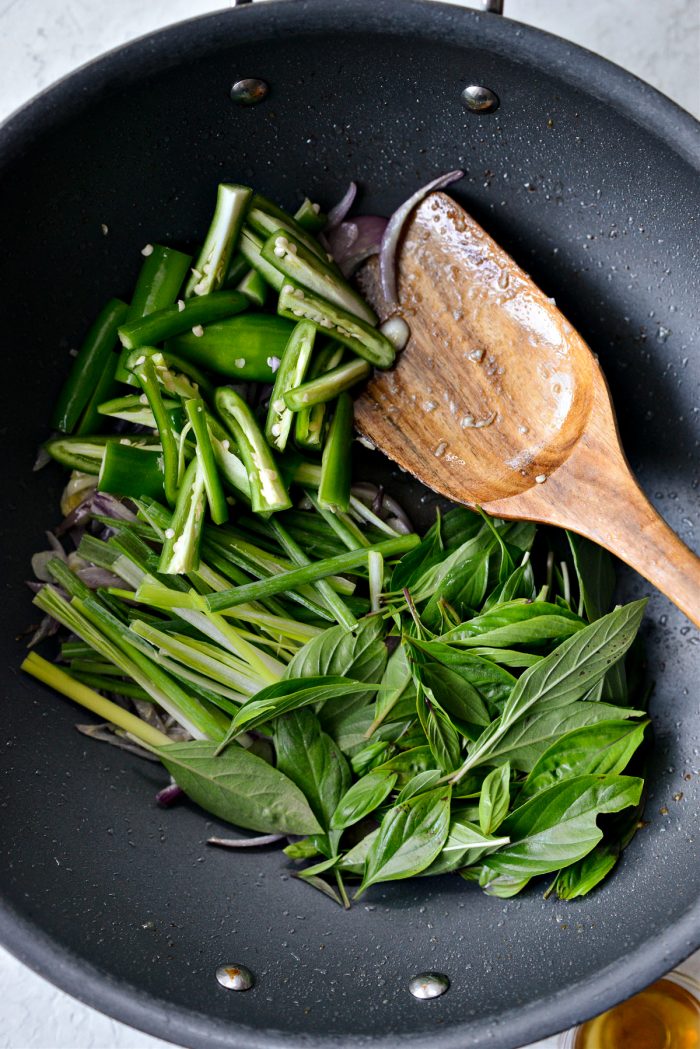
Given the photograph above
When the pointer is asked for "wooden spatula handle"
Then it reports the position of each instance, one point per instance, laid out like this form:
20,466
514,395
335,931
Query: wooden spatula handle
627,524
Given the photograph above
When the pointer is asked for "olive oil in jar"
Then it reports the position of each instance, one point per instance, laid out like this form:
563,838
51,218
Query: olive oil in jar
664,1016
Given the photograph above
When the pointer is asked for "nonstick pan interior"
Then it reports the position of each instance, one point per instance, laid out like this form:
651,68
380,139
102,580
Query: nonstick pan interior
590,180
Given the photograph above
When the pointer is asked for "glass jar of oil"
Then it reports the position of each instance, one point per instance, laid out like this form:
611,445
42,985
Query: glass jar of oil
664,1016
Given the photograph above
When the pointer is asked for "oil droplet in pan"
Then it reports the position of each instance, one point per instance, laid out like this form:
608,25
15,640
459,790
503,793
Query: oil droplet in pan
664,1016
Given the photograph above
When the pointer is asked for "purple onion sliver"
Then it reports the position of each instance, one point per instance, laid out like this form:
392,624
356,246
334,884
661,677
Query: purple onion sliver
47,628
80,513
338,213
95,577
352,242
169,795
42,459
246,843
106,505
392,235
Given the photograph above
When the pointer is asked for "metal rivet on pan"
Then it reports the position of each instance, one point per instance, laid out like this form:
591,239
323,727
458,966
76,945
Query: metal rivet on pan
480,99
235,977
428,985
249,92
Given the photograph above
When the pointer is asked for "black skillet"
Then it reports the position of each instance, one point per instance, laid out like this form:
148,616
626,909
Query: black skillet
590,179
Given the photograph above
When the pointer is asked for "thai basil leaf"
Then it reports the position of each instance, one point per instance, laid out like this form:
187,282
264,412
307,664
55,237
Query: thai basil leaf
354,860
238,787
516,623
563,676
410,837
290,694
362,798
503,886
443,738
421,782
359,654
418,561
595,574
465,845
494,798
519,584
409,763
506,567
455,693
397,685
604,748
507,657
311,759
443,577
368,757
492,682
584,875
304,849
463,589
558,826
530,736
320,884
580,877
596,580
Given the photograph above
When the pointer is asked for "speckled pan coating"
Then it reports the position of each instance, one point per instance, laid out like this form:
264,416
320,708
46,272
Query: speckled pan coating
590,179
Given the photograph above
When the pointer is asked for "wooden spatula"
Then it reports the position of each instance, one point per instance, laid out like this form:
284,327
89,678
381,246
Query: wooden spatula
497,402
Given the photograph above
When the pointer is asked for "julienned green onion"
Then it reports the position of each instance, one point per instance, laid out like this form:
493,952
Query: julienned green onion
52,675
209,271
328,385
309,574
290,374
267,491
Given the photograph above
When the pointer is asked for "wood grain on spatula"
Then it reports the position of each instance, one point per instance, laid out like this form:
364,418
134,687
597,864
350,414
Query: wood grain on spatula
498,402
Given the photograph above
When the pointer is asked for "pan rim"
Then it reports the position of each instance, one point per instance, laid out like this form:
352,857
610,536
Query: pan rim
637,101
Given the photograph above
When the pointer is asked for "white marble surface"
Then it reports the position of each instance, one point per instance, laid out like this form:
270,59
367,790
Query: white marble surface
41,40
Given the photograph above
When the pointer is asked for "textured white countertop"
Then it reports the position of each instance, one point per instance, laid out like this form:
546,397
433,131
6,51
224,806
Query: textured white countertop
41,40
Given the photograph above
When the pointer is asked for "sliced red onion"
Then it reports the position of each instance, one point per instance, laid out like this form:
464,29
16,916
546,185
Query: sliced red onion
246,843
397,332
392,235
105,734
169,795
107,505
95,577
47,628
384,505
338,213
42,459
42,558
352,242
